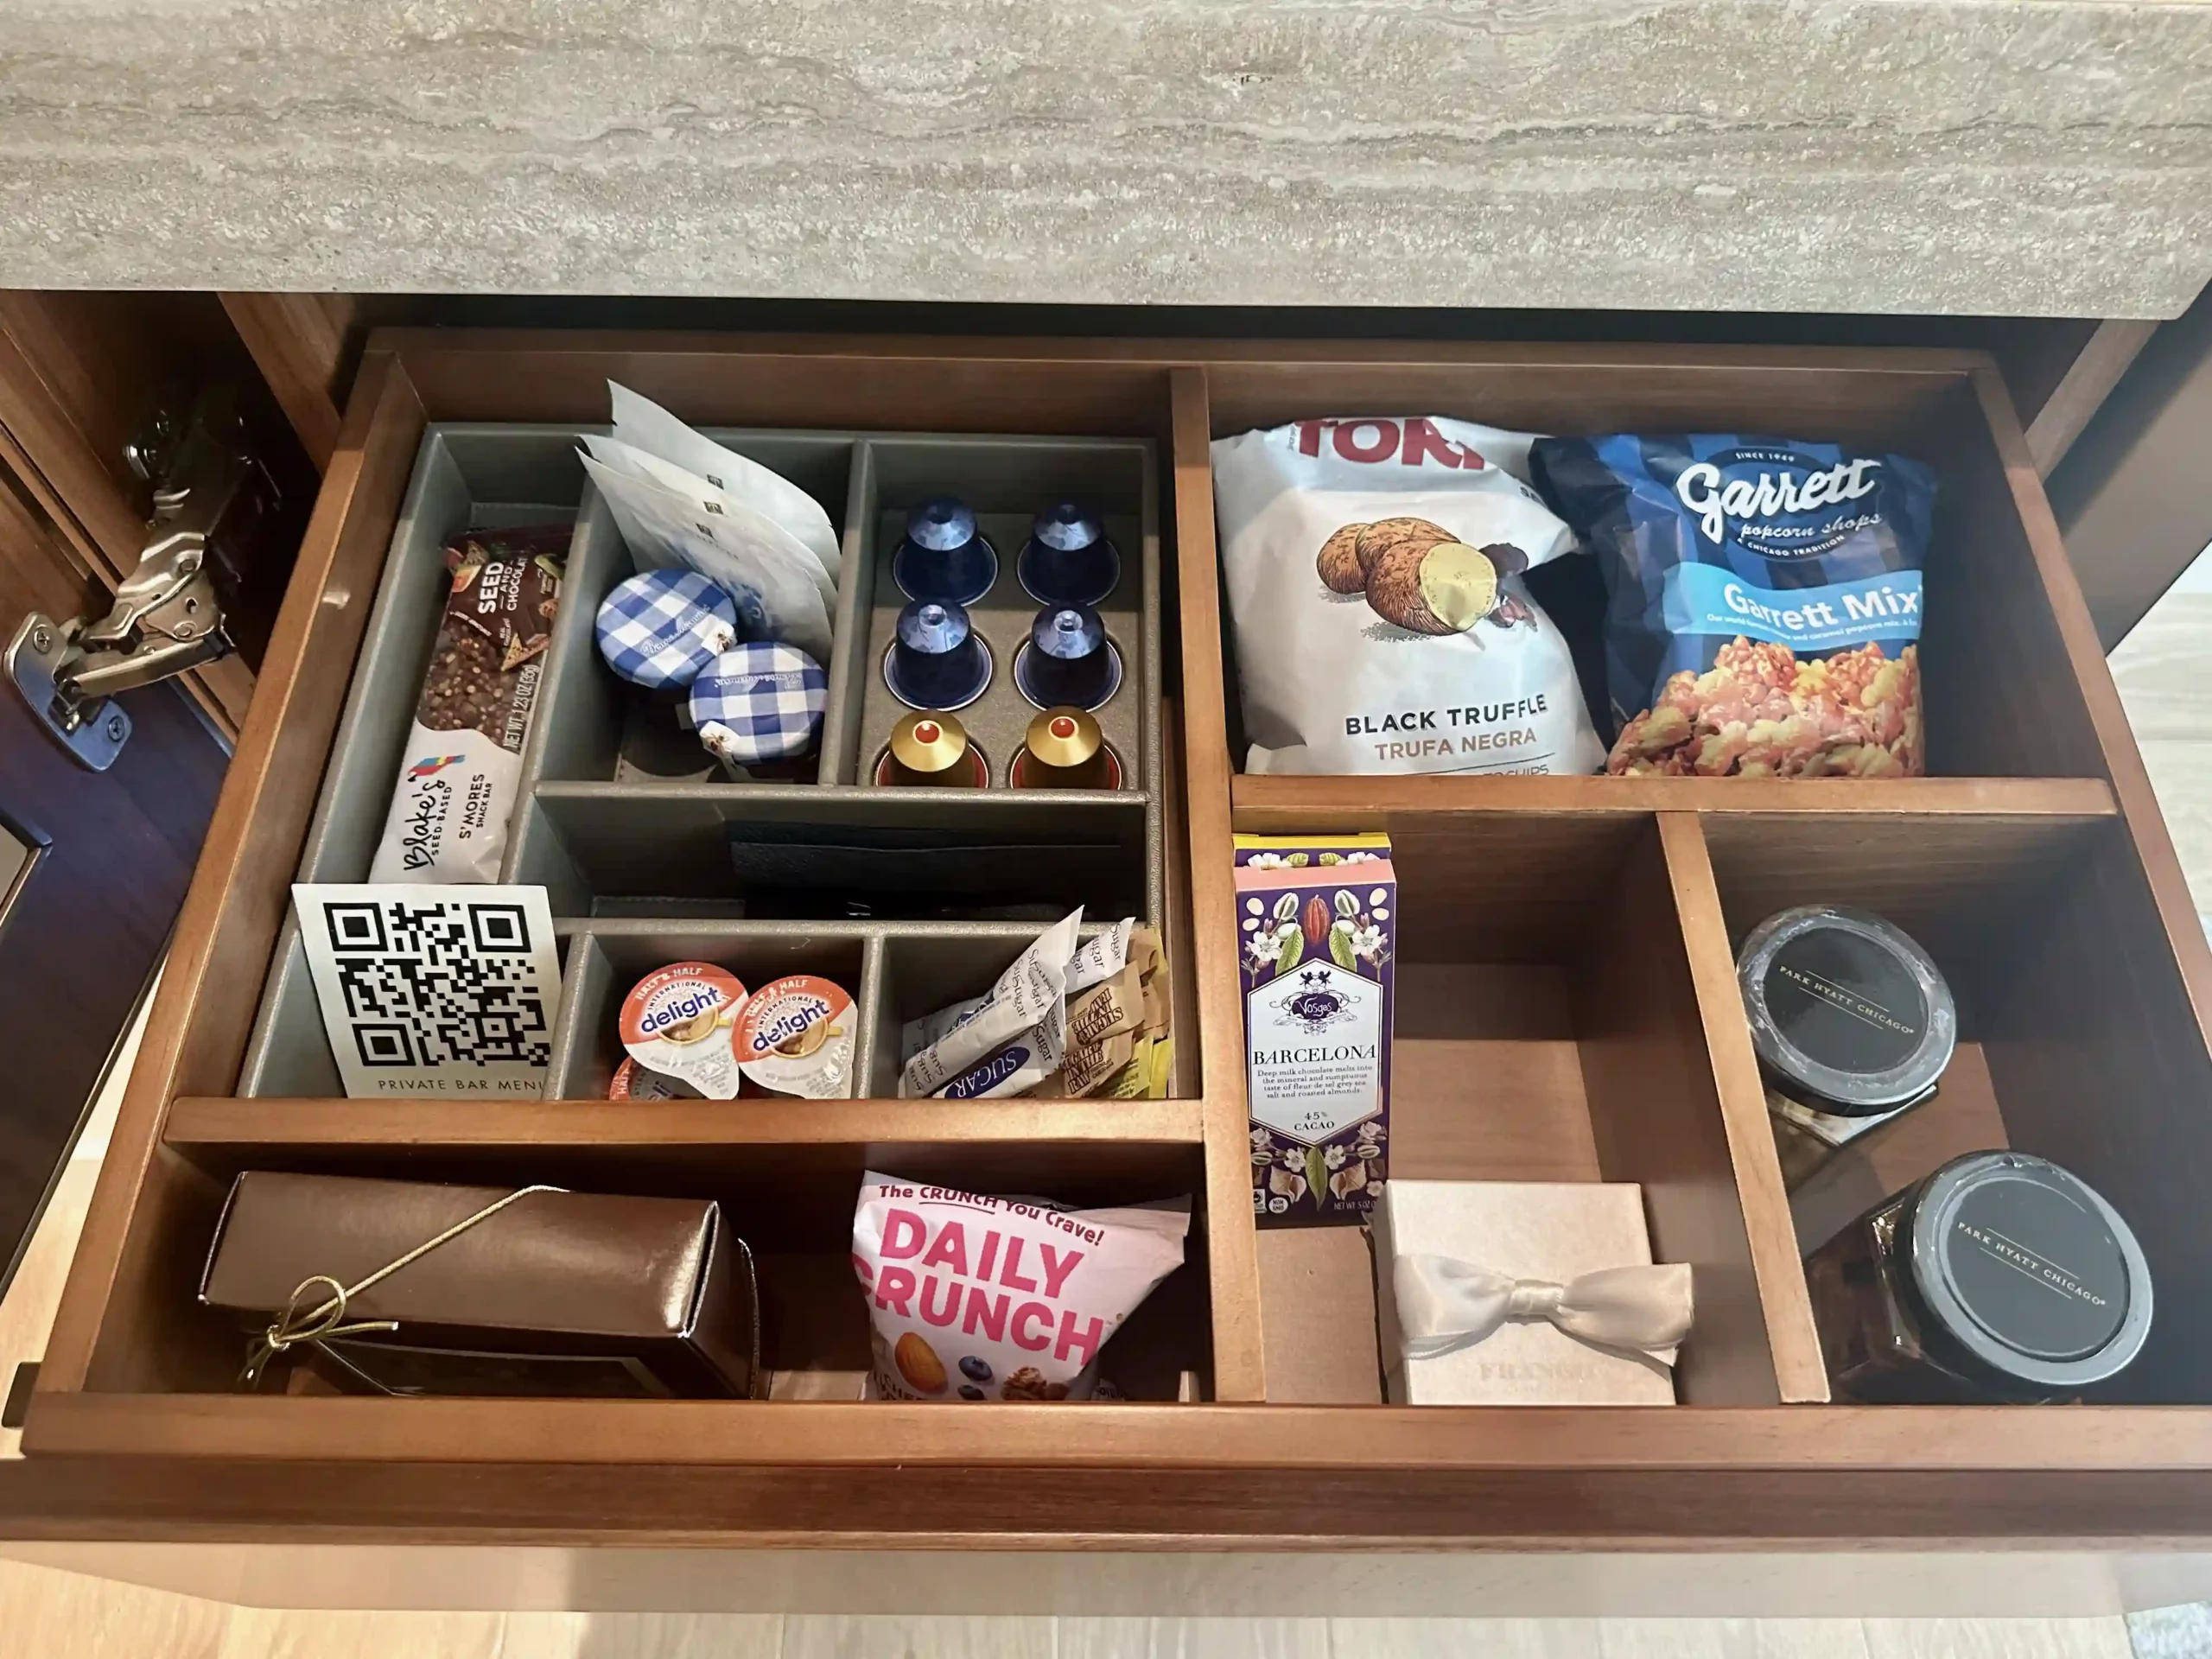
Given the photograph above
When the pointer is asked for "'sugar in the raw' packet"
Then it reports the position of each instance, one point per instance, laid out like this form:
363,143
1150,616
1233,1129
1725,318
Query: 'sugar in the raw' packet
1375,571
1763,601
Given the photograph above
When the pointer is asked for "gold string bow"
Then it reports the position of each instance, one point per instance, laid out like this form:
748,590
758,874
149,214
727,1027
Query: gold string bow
315,1325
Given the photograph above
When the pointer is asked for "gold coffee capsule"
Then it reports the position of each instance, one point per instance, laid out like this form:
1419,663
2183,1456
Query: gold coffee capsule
930,749
1064,750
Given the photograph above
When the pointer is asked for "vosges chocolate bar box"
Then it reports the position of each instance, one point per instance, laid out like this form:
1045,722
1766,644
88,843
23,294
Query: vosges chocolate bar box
1317,923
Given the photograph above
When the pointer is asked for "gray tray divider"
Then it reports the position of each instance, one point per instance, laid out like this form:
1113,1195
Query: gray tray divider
848,668
288,1053
540,858
893,964
575,711
585,984
876,1042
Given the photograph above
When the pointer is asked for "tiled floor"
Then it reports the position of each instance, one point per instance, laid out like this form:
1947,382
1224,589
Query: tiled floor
58,1614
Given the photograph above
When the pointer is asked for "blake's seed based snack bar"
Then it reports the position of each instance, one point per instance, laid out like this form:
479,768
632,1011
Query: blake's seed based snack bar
1375,572
461,767
1763,601
972,1299
1316,950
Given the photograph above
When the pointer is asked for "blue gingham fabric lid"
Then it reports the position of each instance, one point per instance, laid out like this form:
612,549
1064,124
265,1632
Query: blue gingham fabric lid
761,701
662,628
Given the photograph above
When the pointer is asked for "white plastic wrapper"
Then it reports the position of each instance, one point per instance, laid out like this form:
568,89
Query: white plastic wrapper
758,565
755,529
973,1298
644,424
1373,568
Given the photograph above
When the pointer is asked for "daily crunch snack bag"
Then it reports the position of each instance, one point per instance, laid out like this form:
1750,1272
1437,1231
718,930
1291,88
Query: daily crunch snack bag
973,1299
1374,566
1763,615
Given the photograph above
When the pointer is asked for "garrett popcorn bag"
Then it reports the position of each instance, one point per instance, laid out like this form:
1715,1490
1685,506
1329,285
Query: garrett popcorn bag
976,1299
1763,615
1375,572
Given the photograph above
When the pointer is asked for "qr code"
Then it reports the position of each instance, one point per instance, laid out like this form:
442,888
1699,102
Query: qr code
456,982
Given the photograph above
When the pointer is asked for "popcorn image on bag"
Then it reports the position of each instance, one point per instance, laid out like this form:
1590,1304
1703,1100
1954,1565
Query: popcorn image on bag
975,1299
1374,569
1763,601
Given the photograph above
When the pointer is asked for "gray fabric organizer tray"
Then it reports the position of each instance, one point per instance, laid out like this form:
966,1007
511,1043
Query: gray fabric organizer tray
638,868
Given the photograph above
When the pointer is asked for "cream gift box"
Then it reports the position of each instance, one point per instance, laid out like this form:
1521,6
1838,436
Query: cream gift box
1526,1229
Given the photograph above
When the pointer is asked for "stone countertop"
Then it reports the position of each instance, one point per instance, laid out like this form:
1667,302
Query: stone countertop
2042,157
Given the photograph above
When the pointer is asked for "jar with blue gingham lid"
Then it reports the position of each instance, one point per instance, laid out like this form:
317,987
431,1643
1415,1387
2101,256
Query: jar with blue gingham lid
760,702
662,629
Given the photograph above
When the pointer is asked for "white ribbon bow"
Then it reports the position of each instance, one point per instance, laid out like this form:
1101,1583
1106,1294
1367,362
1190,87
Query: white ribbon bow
1444,1304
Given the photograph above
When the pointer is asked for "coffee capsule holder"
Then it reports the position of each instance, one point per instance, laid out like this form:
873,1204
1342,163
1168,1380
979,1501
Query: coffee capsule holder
650,852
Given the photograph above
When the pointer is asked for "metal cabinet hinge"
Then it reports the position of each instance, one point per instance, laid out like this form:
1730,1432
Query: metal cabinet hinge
212,494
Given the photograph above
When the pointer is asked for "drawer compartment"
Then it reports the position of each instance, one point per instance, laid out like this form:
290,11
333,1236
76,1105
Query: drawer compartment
2061,1049
1547,1030
1568,1006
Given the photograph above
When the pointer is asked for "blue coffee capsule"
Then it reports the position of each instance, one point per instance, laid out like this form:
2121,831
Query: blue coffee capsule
937,660
944,558
1067,559
1068,661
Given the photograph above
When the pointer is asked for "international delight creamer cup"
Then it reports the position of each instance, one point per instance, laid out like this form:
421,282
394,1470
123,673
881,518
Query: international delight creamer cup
972,1299
681,1022
796,1037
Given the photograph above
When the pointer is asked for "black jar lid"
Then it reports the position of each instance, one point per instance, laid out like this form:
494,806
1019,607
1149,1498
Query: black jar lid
2030,1270
1847,1014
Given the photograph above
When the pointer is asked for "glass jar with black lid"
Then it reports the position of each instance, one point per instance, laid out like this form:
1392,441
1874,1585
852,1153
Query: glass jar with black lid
1853,1023
2001,1278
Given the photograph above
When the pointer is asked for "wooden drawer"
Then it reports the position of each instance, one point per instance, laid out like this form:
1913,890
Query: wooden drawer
2034,863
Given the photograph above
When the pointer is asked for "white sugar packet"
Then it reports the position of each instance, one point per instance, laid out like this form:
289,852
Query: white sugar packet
664,529
1032,991
644,424
1018,1067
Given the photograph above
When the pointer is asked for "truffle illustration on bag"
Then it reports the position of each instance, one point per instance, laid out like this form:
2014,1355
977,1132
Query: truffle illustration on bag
972,1299
1374,569
462,766
1763,613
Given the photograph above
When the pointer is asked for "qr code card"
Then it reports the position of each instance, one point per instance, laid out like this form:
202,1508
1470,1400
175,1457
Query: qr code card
433,990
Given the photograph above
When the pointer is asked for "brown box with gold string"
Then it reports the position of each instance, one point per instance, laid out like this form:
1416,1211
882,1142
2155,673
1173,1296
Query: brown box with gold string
412,1287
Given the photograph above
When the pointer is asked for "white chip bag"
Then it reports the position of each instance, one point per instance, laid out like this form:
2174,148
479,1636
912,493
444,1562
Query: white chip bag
1373,568
973,1298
